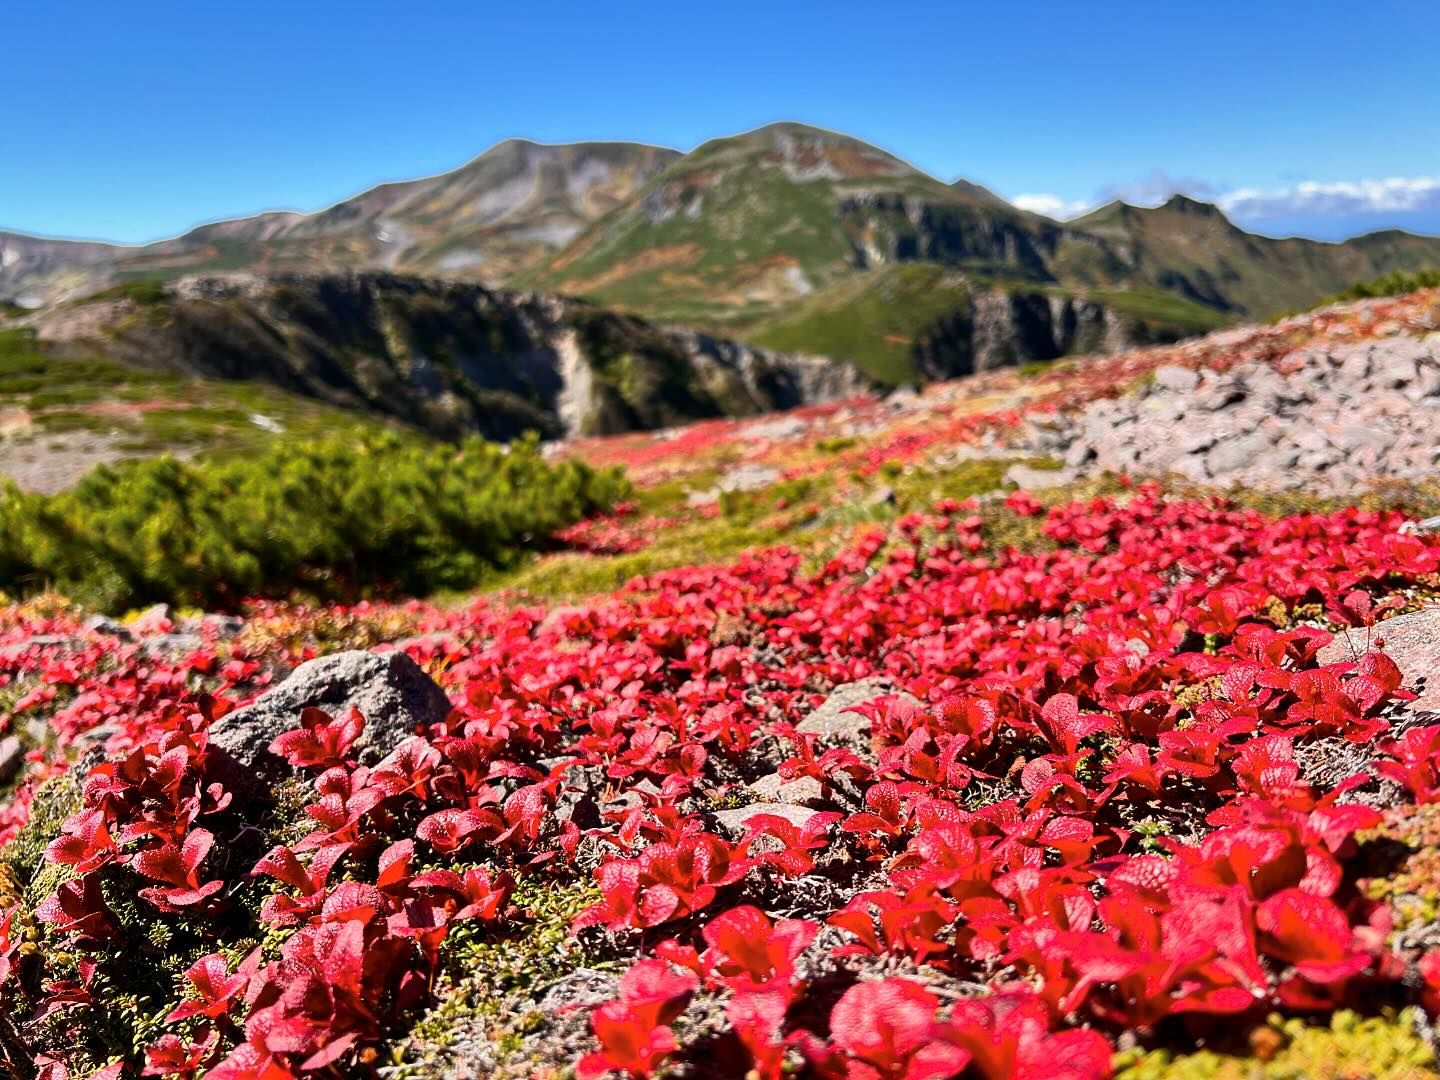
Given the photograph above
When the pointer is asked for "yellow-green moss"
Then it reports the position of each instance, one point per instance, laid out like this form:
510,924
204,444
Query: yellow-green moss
1411,885
55,800
486,972
1351,1047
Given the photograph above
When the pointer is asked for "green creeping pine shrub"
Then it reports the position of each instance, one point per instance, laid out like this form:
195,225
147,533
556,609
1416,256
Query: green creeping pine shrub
336,518
1395,283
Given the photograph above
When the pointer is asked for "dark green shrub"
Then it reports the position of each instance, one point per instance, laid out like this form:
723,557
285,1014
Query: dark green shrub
1395,283
337,518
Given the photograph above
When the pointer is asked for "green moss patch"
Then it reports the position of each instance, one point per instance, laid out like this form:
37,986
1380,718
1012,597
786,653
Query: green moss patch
1350,1048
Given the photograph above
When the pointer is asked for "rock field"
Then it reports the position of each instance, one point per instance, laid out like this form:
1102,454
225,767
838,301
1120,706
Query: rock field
1329,420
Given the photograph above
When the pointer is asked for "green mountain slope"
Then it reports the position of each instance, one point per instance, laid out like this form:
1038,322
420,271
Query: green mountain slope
743,225
1191,249
790,236
62,413
909,321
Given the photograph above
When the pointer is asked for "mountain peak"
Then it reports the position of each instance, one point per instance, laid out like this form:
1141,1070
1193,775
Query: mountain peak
1180,203
802,150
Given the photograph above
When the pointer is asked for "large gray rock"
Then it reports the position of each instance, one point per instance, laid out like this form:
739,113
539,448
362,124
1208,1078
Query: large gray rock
389,689
1236,453
1412,641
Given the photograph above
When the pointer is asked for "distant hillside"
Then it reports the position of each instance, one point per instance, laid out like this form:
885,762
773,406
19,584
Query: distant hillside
62,415
787,235
1191,249
909,321
447,357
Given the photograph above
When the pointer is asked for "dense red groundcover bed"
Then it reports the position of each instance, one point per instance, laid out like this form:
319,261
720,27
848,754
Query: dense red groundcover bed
1096,825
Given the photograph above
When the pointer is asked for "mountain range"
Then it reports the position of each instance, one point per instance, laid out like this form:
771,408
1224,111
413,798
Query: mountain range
788,236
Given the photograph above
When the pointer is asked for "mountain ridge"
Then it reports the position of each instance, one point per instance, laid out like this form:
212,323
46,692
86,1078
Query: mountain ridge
342,235
752,231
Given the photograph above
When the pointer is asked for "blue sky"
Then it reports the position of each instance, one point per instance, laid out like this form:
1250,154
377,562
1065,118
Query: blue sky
132,122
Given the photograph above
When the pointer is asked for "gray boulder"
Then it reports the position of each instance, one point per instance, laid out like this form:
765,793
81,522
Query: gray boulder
390,690
1177,379
1411,640
1231,454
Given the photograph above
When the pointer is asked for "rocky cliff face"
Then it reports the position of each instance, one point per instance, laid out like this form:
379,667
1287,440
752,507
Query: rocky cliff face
1001,328
449,357
888,228
34,268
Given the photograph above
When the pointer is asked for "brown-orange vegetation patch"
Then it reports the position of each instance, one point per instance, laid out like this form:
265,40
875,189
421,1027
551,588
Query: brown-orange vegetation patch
15,419
852,161
126,409
173,258
695,179
653,259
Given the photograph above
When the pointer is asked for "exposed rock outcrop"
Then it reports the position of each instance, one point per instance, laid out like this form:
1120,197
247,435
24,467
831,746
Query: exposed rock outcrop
1006,327
450,357
389,689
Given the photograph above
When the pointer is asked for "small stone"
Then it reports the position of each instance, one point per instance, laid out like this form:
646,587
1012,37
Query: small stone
1394,369
1351,437
1191,467
733,821
904,394
1220,394
1030,479
1354,361
1080,453
1161,409
1426,384
774,788
226,626
748,478
12,757
156,619
176,644
103,624
1193,442
1179,380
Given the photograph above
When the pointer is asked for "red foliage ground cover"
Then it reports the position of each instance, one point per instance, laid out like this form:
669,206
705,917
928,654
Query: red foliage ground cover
1096,824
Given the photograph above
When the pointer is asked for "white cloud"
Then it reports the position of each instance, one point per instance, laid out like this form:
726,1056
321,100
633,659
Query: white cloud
1052,206
1312,199
1315,198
